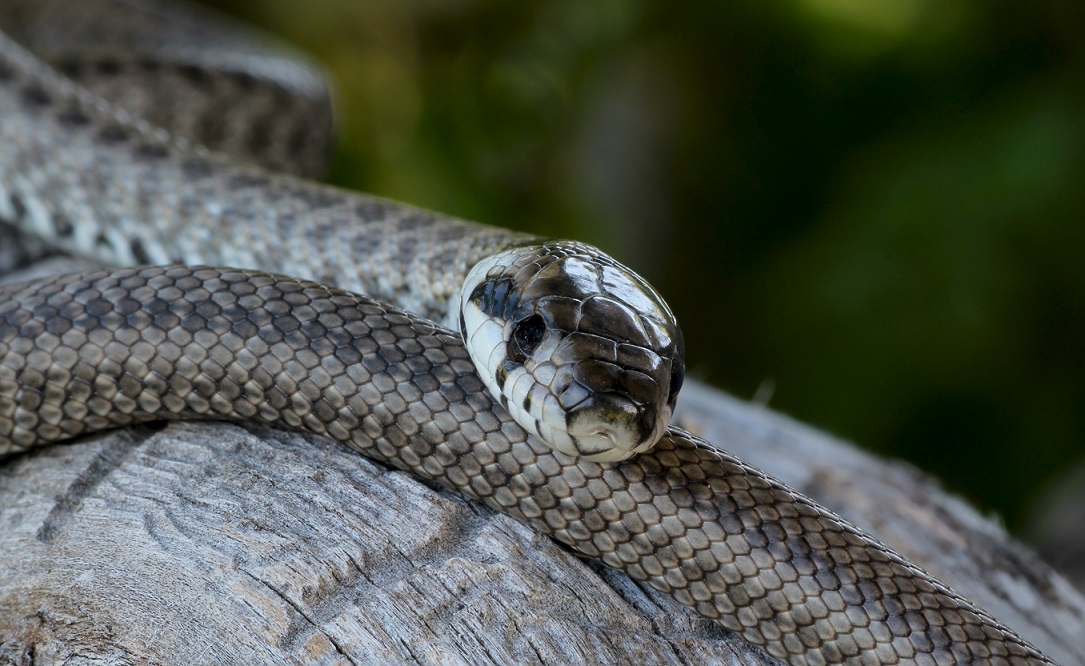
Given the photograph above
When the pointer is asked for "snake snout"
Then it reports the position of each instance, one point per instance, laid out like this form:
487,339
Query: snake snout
612,427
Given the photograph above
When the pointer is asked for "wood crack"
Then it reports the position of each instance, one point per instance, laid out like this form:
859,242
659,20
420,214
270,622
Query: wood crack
301,613
104,464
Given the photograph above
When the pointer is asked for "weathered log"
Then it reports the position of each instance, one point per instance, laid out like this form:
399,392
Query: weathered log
214,543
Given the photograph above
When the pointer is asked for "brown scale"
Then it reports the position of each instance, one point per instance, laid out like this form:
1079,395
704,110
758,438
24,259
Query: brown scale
86,352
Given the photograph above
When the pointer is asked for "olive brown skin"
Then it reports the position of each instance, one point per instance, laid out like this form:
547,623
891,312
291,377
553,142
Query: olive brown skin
86,352
93,180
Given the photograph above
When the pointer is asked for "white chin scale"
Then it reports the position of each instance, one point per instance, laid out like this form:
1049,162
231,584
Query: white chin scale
520,388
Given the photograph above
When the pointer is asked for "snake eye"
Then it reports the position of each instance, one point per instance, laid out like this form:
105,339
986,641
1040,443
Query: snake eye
526,338
677,375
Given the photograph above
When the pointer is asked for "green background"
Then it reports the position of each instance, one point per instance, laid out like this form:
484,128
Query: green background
866,213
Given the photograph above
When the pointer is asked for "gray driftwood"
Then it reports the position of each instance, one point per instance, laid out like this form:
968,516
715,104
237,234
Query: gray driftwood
213,543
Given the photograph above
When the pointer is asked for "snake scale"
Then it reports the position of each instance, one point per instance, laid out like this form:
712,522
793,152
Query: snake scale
86,352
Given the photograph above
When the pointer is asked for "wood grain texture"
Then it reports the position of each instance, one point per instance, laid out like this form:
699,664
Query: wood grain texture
211,543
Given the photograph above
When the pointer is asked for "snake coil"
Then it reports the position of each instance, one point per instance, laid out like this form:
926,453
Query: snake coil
558,327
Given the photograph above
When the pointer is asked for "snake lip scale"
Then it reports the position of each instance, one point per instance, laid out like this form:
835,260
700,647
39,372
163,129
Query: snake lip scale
560,329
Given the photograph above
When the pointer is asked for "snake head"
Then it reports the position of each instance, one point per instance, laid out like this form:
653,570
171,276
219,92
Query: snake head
579,349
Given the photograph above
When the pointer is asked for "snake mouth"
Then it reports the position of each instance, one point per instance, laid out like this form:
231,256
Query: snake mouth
611,427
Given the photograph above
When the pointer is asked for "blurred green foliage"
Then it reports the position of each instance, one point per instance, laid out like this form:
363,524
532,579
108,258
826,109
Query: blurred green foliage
870,210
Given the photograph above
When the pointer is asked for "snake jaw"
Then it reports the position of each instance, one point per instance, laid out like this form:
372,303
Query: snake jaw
579,350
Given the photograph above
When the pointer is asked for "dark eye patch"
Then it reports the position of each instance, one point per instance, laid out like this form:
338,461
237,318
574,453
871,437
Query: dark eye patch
526,338
496,298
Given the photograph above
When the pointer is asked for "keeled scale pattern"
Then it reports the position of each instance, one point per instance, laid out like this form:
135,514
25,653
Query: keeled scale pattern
87,352
185,71
93,180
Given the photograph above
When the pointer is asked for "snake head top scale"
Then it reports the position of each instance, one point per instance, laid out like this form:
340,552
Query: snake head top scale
579,349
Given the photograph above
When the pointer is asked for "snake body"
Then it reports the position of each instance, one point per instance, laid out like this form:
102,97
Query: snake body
113,172
87,352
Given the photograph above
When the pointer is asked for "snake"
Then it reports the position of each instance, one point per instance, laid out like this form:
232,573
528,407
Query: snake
535,376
